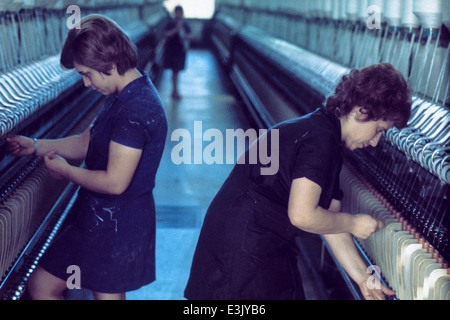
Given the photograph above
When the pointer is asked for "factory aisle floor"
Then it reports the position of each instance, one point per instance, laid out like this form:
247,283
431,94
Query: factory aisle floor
183,192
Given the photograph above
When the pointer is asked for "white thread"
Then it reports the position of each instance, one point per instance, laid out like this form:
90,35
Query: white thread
338,12
362,10
352,9
409,19
378,3
4,5
393,12
327,8
335,10
429,13
343,10
446,14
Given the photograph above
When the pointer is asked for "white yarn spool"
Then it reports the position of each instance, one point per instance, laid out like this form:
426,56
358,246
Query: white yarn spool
429,13
327,8
377,6
362,10
409,19
4,4
379,3
375,11
352,10
300,8
245,3
16,5
283,5
335,9
339,12
59,4
28,4
316,8
393,12
41,3
343,10
308,8
272,5
290,6
51,3
446,14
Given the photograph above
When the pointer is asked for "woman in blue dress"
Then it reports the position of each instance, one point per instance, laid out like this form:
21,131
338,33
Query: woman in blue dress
112,237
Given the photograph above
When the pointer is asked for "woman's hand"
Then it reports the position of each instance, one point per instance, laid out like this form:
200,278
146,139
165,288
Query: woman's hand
364,225
374,291
56,165
20,146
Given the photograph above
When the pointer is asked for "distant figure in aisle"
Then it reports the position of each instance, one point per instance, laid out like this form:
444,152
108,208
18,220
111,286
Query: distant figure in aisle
178,34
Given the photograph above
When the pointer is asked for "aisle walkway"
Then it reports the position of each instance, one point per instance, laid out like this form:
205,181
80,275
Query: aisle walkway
183,192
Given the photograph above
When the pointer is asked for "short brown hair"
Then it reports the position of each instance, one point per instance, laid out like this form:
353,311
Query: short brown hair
99,43
380,89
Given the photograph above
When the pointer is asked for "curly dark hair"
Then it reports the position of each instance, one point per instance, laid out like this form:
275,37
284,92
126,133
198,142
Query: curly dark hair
99,43
379,89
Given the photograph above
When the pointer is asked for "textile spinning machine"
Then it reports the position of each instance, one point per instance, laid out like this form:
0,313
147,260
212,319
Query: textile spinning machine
286,57
40,99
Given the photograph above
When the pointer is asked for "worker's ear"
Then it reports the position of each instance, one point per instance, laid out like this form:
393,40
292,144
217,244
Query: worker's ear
360,113
111,72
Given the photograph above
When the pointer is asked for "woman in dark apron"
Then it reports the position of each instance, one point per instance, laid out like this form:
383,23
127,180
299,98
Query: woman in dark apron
246,248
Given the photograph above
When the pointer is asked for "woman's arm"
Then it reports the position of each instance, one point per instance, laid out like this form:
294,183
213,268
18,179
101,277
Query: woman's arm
345,251
122,164
306,214
73,147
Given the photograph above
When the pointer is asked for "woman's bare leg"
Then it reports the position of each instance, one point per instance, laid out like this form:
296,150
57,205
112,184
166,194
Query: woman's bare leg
109,296
45,286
